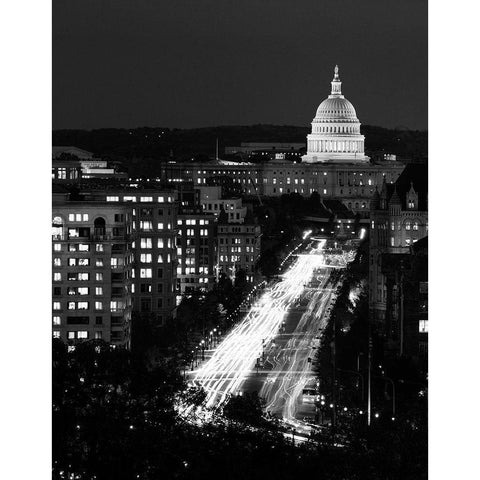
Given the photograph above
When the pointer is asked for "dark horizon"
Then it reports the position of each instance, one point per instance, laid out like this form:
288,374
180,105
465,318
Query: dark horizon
186,65
213,127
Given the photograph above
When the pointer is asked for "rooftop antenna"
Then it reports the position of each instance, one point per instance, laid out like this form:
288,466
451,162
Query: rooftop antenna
216,149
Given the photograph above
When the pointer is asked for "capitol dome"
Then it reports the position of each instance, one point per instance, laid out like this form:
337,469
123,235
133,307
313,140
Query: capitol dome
336,108
335,133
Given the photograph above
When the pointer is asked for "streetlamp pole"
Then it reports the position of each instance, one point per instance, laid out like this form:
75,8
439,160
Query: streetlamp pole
334,380
369,397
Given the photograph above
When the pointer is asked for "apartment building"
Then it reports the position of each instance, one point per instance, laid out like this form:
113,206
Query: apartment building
238,246
92,271
196,250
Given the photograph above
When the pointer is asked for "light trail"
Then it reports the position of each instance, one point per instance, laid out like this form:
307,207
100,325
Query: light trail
232,361
283,392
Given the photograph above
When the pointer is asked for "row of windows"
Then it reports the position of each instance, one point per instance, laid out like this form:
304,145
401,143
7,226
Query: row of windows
237,258
115,305
147,242
147,226
85,262
193,221
147,258
161,199
78,276
190,232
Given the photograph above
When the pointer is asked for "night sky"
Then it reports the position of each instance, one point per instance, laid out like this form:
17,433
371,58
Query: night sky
196,63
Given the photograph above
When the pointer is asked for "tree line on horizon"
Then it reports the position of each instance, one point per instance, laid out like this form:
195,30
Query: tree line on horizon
156,143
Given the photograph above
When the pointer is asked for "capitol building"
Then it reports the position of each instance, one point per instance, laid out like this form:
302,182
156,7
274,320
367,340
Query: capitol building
335,130
334,166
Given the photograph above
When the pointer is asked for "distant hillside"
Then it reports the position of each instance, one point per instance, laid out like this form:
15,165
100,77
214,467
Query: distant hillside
141,148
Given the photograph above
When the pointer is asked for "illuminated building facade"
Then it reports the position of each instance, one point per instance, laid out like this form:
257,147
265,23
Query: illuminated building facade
154,215
398,219
91,271
238,246
335,165
195,250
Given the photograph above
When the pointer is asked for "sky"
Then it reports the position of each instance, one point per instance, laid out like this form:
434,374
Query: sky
200,63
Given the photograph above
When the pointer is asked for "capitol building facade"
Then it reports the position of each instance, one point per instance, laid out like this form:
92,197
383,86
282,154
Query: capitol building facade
335,165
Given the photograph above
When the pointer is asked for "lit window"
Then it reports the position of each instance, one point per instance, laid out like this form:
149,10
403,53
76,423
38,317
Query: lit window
99,262
57,262
160,226
407,225
83,247
146,225
146,258
56,306
82,305
392,241
145,243
57,247
146,199
56,320
324,191
71,217
160,258
98,277
98,335
115,306
98,290
161,199
70,335
423,326
57,277
99,247
160,243
82,334
415,225
145,273
98,305
112,199
56,334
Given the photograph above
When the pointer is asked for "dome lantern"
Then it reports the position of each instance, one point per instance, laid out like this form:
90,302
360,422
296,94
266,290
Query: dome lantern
336,83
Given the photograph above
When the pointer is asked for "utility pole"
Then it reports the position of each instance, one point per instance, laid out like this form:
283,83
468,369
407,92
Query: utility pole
216,149
369,396
334,380
401,309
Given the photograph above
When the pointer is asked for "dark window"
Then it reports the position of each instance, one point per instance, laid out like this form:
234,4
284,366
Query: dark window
78,320
57,291
160,303
145,305
160,288
145,288
98,320
119,217
160,273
